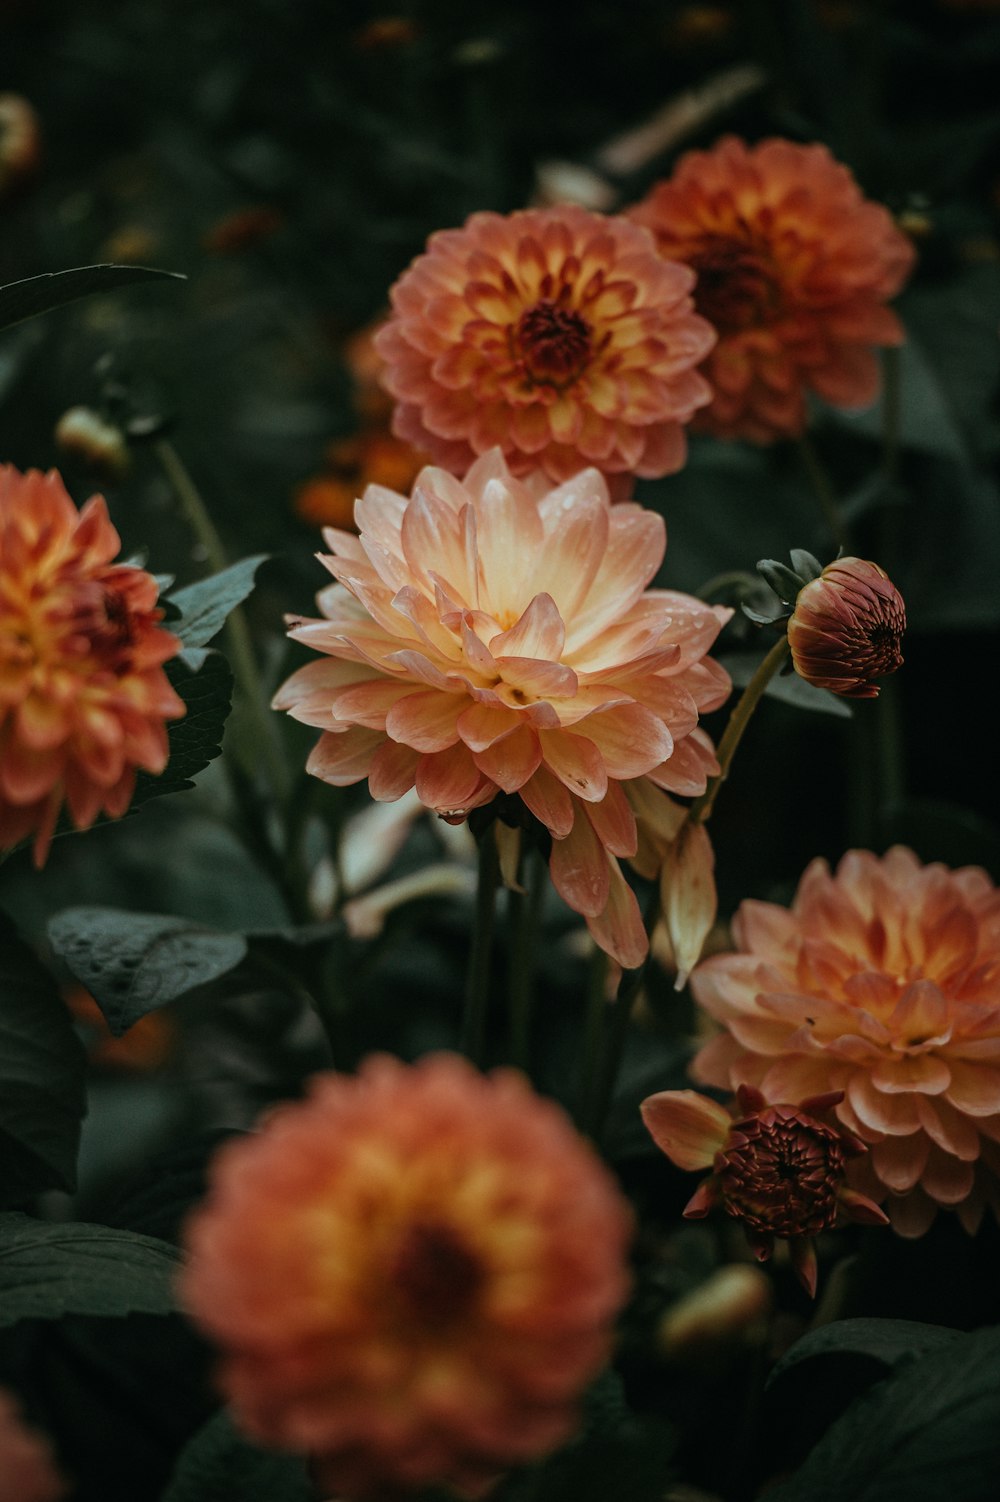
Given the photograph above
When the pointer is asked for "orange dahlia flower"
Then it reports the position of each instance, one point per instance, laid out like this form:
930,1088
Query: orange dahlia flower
557,334
794,270
881,982
846,628
412,1275
490,637
83,694
778,1169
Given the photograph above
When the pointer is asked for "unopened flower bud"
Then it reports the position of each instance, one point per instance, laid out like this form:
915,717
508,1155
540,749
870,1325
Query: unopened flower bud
687,892
100,446
721,1311
846,628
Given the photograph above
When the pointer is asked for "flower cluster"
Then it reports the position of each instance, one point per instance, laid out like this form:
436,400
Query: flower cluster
490,637
83,694
794,269
879,983
557,335
778,1169
412,1275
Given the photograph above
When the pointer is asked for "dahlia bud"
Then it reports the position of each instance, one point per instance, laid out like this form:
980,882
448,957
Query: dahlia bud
779,1169
846,628
99,445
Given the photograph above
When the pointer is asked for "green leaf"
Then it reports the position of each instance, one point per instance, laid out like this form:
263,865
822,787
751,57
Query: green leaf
206,688
890,1341
49,1270
204,606
219,1465
930,1430
38,294
133,963
42,1070
788,687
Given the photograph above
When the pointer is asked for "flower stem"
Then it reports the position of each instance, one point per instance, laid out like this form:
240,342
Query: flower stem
614,1032
593,1035
238,643
525,909
824,492
738,721
477,985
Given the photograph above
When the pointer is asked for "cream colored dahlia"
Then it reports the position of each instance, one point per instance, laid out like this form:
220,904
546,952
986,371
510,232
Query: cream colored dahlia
794,266
881,981
83,694
491,637
559,335
412,1276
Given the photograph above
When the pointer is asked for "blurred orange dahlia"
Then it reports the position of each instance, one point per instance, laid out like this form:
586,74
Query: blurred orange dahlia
557,334
412,1275
27,1467
83,694
881,982
794,269
491,637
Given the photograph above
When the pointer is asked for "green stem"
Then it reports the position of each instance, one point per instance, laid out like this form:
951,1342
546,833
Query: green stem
238,644
524,909
593,1036
477,986
738,721
824,492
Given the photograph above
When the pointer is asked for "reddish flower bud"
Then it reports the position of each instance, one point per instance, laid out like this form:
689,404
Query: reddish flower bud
846,628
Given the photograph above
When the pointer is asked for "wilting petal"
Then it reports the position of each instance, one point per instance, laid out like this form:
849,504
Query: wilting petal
690,1128
579,868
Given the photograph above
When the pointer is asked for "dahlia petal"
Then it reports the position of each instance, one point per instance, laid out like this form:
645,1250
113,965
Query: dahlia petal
509,528
613,821
539,632
448,780
479,725
577,763
686,770
973,1088
688,1127
899,1161
922,1011
948,1128
946,1179
894,1114
392,771
636,544
425,721
580,870
922,1072
631,740
797,1077
344,756
911,1214
367,703
619,928
549,801
511,760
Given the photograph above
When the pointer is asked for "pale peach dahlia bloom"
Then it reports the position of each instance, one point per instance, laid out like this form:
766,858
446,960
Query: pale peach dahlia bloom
83,694
881,981
412,1276
794,269
557,334
490,637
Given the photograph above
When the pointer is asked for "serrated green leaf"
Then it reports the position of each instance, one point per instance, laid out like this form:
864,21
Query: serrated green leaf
48,1270
891,1341
204,606
219,1465
42,1071
206,688
39,294
132,963
930,1430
